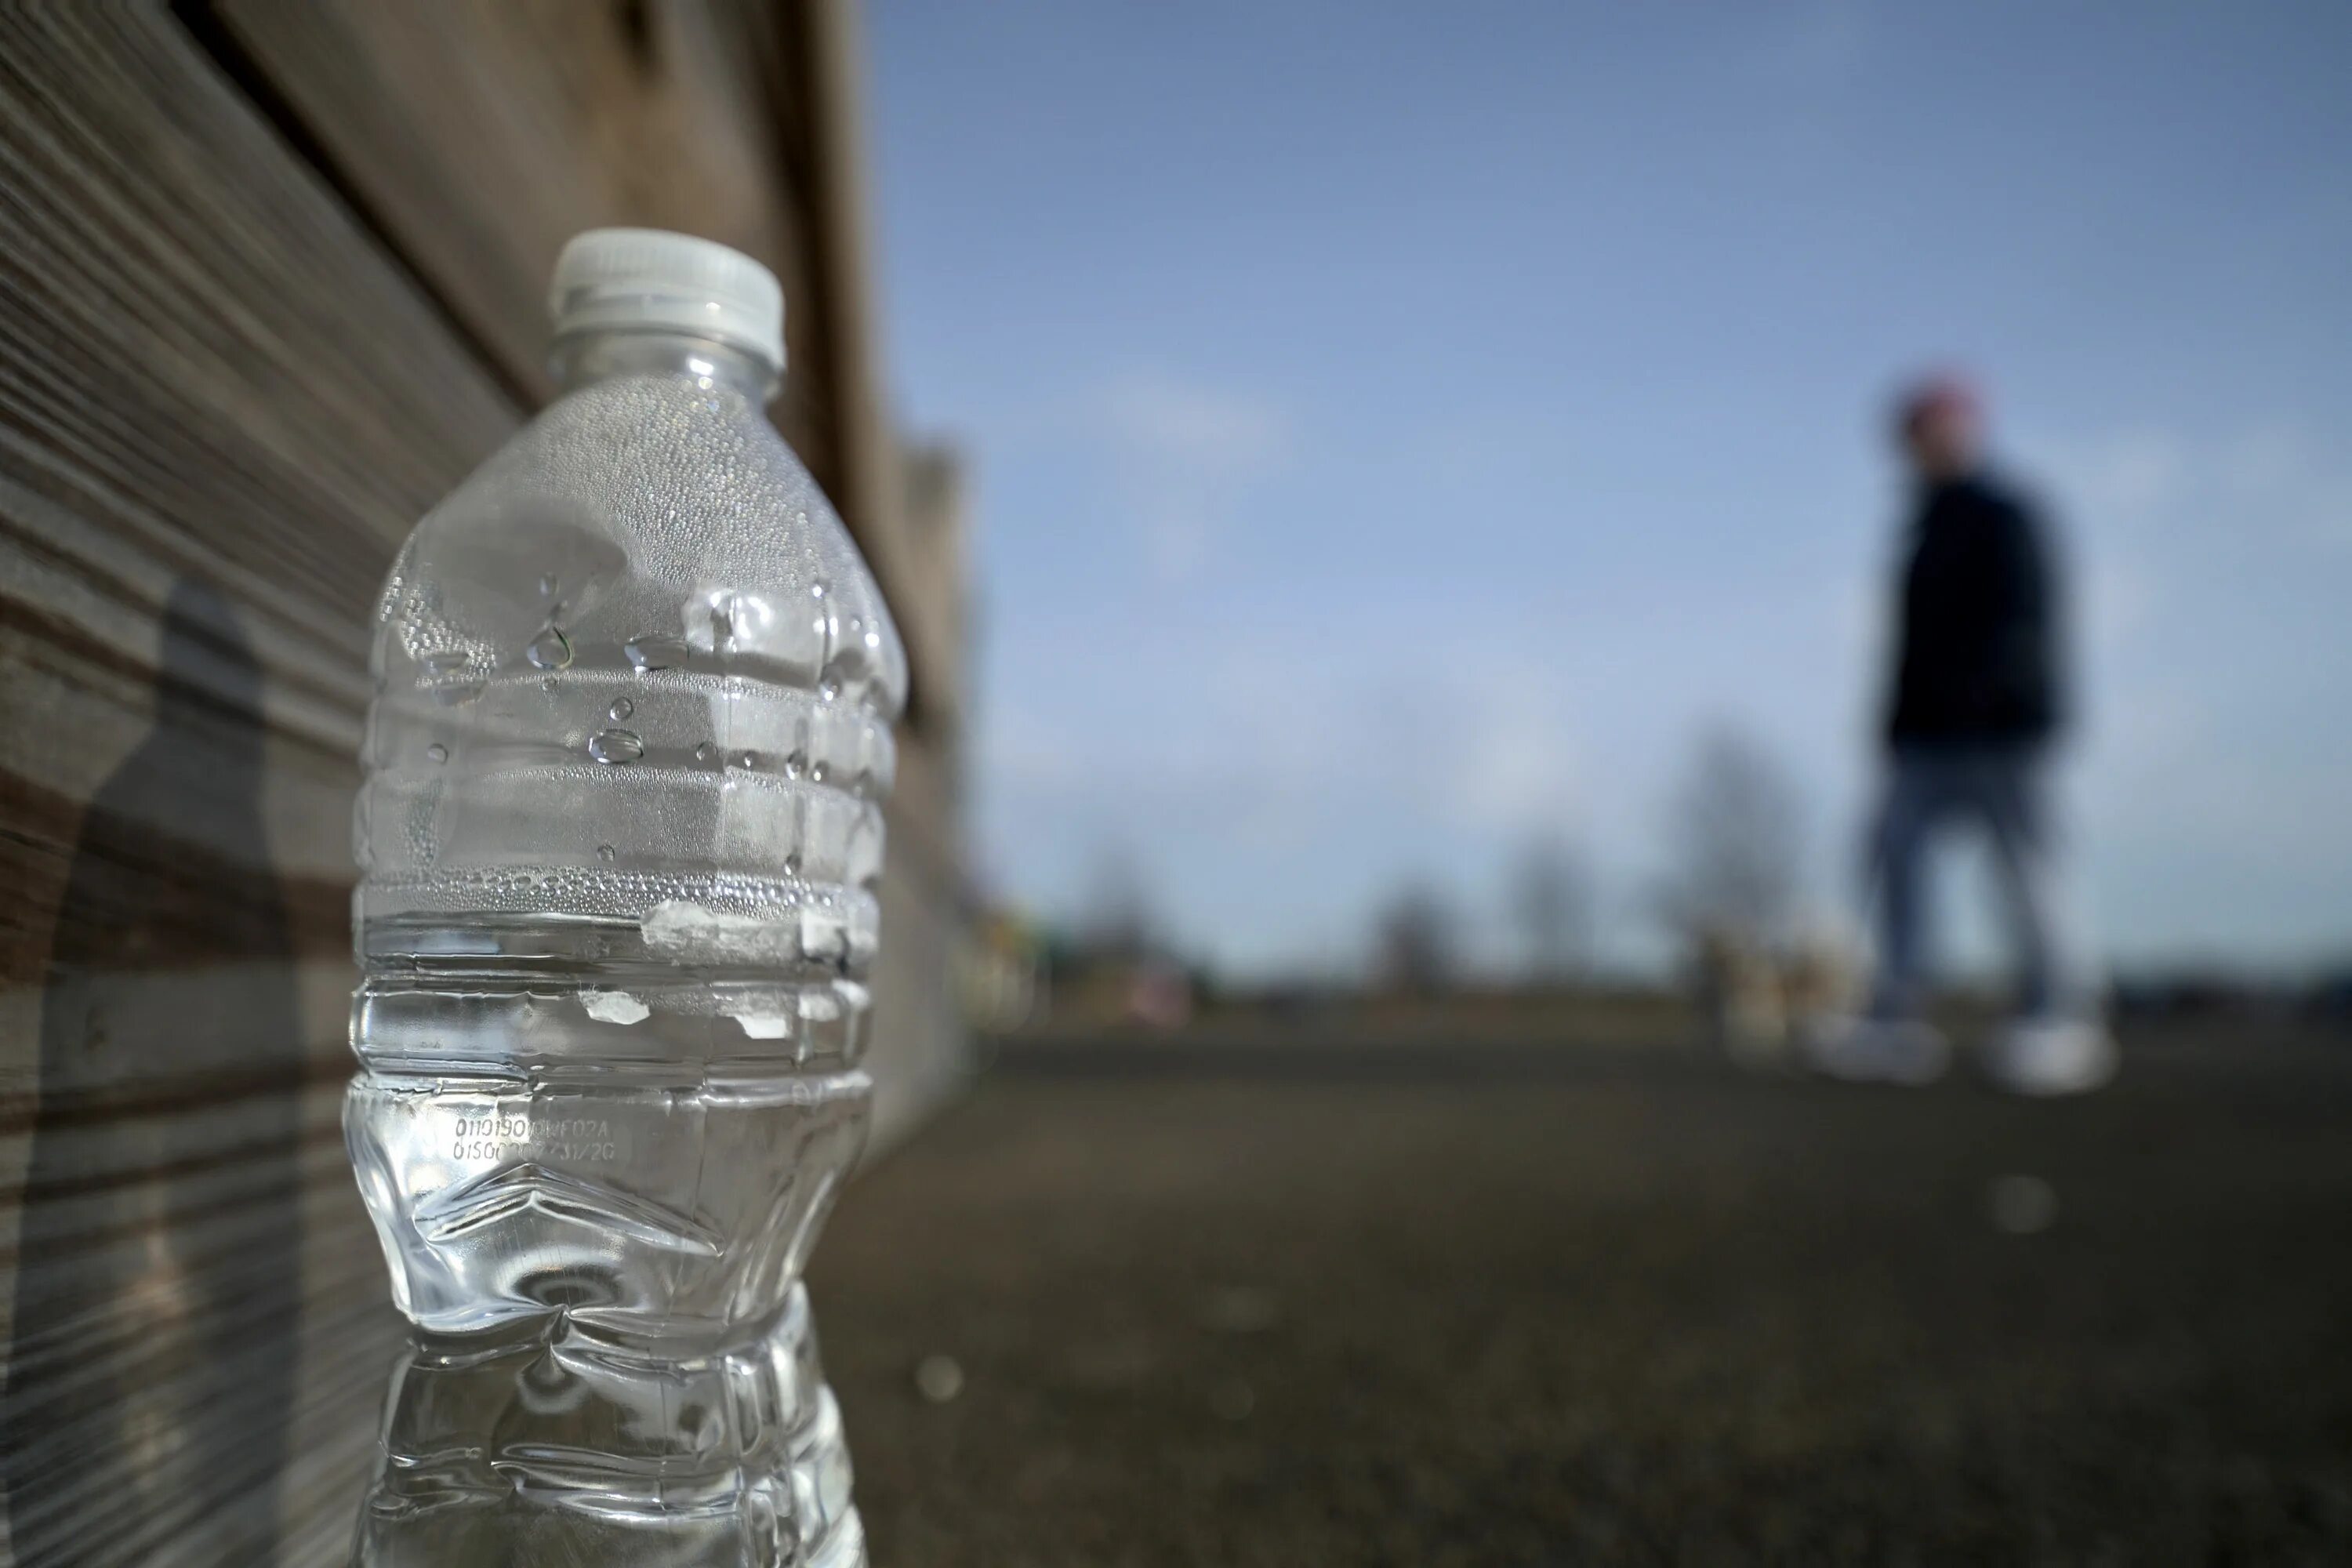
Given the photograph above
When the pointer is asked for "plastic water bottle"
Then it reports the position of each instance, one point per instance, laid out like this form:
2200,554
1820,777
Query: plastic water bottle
619,837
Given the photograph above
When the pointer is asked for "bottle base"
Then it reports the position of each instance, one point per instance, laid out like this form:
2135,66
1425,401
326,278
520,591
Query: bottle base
515,1449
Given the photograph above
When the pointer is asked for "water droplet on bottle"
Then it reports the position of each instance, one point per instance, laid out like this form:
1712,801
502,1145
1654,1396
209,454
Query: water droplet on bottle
817,589
615,746
656,653
827,689
605,852
547,683
550,649
547,586
438,752
795,765
817,772
621,709
792,864
746,760
452,677
705,753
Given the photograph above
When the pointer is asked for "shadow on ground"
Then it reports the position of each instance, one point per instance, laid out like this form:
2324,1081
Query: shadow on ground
1564,1305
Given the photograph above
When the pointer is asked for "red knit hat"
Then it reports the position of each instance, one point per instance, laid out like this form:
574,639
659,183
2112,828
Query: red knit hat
1932,397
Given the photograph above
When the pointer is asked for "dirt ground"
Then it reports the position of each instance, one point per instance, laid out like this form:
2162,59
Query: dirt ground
1270,1304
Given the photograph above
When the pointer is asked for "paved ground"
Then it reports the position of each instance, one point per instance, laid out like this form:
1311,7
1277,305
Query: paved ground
1302,1306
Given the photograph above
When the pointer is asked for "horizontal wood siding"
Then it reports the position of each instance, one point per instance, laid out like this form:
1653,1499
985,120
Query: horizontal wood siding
480,137
270,283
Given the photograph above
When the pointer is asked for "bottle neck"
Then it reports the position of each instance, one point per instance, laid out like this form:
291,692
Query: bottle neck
583,357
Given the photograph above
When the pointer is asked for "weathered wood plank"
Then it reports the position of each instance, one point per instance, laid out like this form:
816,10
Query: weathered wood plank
221,406
809,76
479,137
220,409
917,1054
225,397
212,384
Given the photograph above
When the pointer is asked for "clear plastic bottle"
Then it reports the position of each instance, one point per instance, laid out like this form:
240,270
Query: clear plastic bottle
618,837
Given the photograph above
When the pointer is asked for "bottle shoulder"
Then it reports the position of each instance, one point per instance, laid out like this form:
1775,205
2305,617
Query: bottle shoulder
649,502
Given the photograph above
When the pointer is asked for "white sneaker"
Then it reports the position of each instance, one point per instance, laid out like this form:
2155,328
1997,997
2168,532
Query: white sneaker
1878,1050
2051,1056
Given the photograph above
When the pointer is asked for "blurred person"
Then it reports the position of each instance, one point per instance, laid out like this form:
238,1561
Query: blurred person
1976,708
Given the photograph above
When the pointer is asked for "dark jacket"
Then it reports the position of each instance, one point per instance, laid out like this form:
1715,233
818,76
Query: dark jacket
1977,652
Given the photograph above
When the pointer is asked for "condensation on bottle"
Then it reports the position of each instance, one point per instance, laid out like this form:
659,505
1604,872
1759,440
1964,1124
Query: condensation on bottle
619,839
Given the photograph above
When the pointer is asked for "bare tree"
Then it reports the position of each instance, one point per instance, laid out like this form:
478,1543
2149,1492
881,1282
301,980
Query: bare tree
1552,901
1117,922
1739,840
1412,941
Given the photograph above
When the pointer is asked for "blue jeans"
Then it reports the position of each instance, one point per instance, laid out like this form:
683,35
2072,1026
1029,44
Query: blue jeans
2002,788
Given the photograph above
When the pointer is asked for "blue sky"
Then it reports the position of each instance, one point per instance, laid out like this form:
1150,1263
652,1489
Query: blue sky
1398,430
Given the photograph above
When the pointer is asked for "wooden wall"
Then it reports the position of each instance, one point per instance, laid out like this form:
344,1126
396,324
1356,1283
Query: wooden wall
271,278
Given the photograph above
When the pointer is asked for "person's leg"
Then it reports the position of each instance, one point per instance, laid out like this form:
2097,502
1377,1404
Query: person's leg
2058,1044
1898,846
2008,789
1894,1044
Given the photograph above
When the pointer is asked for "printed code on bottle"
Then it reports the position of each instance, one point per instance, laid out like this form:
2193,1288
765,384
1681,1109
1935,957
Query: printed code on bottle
516,1137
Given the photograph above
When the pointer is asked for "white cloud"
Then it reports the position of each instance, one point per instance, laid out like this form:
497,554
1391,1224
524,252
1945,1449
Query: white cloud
2125,474
2280,475
1185,453
1516,772
2270,482
2209,773
1196,425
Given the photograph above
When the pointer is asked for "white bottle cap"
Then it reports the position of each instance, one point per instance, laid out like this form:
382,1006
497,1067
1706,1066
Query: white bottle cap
614,278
